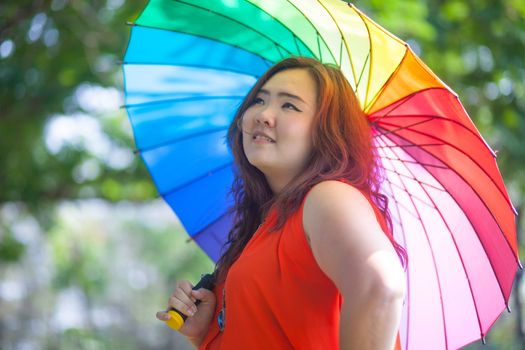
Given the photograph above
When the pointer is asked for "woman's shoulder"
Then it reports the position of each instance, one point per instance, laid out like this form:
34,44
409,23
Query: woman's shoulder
336,200
335,191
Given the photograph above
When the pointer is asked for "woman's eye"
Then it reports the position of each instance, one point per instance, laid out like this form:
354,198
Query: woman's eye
258,101
288,105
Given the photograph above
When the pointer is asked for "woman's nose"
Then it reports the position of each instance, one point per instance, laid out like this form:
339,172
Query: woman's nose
266,117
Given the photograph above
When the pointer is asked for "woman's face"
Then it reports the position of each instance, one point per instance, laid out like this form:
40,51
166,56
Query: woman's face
277,127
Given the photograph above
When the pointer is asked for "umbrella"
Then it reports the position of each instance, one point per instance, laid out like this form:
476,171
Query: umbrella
189,64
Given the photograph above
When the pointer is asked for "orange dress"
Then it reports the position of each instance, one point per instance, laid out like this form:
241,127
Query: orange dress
276,295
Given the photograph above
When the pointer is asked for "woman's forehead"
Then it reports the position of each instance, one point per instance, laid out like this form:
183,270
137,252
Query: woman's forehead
291,83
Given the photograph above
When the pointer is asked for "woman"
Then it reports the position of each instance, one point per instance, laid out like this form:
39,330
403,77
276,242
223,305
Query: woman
311,262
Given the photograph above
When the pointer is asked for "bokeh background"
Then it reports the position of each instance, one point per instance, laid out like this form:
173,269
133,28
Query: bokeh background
88,251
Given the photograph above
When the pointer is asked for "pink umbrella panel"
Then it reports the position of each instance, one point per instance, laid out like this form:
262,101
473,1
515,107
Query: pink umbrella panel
450,210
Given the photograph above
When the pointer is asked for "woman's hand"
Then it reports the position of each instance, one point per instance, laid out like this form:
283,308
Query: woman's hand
199,317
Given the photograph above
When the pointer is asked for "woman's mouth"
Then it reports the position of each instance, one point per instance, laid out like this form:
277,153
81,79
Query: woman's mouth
262,138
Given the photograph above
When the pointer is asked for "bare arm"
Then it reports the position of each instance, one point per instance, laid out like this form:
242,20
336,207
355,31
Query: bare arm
350,247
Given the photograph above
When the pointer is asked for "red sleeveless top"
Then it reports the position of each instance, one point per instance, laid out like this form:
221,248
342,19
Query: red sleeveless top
276,295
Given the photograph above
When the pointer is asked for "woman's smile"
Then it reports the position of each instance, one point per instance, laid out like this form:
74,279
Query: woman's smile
261,138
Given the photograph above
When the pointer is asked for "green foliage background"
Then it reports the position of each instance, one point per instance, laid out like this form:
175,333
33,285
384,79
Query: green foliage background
81,226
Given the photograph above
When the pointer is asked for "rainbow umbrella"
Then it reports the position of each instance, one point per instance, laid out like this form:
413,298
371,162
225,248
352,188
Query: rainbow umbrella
188,66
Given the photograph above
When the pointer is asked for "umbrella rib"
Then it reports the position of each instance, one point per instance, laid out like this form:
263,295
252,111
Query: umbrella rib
183,99
378,93
414,162
341,54
204,37
403,206
194,237
408,177
362,72
318,45
279,51
369,55
402,101
177,139
414,179
127,63
410,145
343,41
457,149
446,144
208,38
402,127
407,49
433,117
404,189
408,292
295,41
267,63
313,26
485,205
396,204
195,179
480,136
242,24
408,97
438,279
458,252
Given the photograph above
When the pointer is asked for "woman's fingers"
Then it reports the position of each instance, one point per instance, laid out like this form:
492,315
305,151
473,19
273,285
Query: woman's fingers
187,287
183,304
182,298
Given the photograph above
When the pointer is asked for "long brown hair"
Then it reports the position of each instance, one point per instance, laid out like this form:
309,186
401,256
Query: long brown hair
342,149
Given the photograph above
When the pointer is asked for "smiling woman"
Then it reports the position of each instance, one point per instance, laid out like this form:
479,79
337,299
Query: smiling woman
278,126
310,262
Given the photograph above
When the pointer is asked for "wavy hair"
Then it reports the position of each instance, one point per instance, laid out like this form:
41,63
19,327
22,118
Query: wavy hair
342,149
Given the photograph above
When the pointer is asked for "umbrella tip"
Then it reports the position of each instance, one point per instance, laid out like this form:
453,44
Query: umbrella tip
483,340
129,23
520,265
508,309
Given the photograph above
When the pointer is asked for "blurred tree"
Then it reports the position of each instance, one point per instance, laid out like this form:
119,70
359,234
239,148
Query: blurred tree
47,50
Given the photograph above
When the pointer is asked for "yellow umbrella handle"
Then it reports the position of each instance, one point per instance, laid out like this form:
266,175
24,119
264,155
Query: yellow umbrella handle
177,319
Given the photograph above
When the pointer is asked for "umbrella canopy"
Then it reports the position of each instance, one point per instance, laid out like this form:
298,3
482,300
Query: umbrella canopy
190,63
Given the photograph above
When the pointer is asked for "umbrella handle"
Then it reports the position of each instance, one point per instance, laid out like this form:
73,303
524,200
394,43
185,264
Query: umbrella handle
177,318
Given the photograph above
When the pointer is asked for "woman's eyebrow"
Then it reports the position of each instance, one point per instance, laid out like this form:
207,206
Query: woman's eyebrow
283,93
